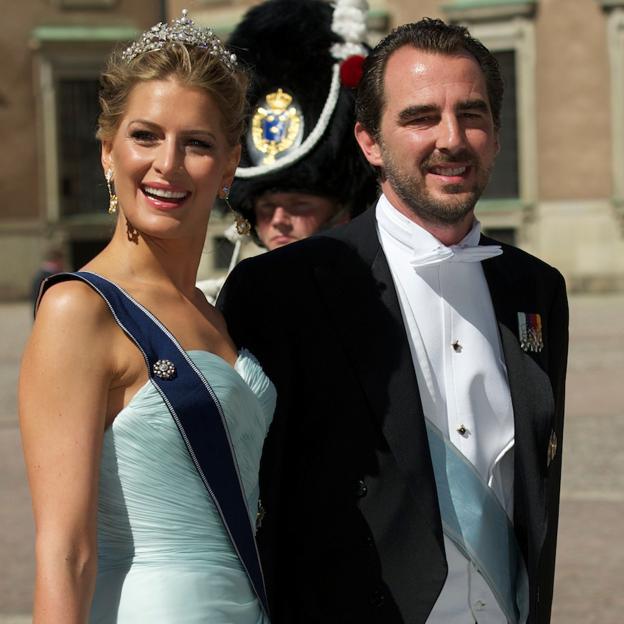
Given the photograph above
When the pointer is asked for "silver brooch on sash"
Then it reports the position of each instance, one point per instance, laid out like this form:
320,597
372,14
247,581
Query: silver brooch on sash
164,369
530,332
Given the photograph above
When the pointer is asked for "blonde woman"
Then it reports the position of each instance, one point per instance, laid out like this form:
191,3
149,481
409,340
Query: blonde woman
142,424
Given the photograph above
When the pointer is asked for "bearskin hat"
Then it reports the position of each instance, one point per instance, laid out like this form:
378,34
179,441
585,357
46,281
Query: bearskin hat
304,59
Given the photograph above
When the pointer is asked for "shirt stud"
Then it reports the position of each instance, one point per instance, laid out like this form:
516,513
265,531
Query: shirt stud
457,347
462,430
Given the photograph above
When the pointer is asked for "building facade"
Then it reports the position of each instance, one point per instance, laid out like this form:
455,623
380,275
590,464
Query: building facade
557,189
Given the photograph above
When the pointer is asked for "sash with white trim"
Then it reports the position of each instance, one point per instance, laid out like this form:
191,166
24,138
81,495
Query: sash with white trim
475,521
196,411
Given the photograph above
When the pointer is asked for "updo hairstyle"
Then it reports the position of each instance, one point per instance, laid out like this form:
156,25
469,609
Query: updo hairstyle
191,66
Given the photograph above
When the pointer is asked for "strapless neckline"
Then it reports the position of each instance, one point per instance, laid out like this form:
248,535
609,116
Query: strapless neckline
243,355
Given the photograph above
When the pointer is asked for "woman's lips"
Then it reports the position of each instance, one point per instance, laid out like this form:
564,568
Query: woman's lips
164,198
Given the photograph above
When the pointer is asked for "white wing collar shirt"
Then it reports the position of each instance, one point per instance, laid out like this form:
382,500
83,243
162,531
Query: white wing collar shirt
461,374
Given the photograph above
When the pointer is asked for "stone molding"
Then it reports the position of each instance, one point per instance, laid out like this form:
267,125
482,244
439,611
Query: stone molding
480,10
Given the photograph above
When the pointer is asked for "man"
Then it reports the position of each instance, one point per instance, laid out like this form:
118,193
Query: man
301,170
283,217
412,473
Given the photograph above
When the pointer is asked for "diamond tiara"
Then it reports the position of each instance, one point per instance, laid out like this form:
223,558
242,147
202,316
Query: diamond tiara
184,32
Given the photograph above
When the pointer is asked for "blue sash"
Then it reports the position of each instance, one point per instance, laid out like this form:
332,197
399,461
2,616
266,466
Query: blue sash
196,412
476,522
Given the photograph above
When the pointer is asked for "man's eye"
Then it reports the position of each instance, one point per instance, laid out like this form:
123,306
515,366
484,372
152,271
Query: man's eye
300,207
419,121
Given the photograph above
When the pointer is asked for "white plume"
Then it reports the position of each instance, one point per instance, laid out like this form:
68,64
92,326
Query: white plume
349,22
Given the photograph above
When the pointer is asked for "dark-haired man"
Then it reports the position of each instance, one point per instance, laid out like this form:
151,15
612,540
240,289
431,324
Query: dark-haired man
412,474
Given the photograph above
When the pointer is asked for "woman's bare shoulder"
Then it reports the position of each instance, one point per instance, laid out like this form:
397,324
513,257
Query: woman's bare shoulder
72,307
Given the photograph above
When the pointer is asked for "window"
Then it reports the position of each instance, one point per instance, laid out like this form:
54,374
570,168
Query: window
68,63
512,191
81,184
504,182
615,28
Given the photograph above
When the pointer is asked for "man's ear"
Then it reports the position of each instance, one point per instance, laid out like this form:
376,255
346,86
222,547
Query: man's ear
369,145
497,140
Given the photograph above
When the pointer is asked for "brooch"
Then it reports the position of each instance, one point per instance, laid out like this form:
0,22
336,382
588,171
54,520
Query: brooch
164,369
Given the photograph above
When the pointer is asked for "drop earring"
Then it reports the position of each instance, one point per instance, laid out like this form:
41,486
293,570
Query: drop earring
243,227
113,202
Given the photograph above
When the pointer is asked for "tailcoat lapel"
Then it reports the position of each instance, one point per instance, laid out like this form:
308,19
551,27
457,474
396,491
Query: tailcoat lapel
360,297
532,401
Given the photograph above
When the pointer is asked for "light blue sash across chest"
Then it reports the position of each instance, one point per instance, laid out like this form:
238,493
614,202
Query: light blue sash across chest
475,521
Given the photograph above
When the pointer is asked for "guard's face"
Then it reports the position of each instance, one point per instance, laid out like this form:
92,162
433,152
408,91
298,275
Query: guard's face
170,158
437,140
283,218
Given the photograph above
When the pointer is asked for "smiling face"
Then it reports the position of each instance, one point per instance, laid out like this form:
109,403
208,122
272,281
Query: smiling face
170,158
437,141
285,217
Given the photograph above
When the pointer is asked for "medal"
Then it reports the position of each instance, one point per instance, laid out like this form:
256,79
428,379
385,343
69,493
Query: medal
530,332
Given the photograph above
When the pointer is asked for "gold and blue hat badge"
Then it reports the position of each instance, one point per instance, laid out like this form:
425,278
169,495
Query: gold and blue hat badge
277,127
300,65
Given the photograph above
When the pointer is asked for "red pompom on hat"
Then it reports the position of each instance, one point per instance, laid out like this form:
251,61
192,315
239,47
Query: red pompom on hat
351,71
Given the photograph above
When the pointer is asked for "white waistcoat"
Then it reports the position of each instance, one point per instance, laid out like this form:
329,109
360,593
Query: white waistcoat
462,379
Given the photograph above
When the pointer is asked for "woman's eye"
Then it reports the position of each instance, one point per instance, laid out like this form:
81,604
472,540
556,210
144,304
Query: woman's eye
199,144
143,136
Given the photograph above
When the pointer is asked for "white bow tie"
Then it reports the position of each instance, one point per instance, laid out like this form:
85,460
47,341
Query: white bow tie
454,254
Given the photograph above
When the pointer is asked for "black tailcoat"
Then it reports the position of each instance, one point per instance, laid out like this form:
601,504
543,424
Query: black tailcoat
352,531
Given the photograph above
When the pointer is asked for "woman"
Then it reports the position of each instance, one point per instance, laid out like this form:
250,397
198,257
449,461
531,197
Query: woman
142,426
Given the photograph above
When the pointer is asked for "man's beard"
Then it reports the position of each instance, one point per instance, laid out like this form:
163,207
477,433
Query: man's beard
413,192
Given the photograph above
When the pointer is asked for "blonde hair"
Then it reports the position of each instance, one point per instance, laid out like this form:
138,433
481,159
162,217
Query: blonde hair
191,67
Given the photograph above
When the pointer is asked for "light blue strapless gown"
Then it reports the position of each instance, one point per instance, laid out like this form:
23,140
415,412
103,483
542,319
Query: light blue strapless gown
164,556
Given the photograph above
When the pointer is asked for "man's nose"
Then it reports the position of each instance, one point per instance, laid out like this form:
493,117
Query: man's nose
280,215
450,134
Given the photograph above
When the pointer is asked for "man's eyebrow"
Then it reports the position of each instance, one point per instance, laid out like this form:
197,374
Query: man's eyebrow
477,104
414,111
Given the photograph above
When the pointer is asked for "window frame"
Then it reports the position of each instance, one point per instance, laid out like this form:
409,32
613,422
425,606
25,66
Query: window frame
65,53
517,35
615,42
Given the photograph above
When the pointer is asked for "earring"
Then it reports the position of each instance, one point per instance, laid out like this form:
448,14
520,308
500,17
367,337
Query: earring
243,227
113,202
132,234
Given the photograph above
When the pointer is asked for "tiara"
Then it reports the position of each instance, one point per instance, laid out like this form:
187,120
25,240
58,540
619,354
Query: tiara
183,32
